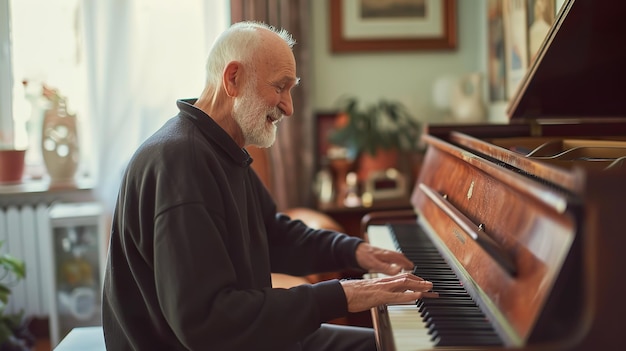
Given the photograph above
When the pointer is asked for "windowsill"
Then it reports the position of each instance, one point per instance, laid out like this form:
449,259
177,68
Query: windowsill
29,192
44,186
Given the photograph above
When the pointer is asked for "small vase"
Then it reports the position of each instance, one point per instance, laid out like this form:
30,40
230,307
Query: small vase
341,167
60,143
467,100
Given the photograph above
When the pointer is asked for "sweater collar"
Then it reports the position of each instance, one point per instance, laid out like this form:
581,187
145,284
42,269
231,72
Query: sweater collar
213,131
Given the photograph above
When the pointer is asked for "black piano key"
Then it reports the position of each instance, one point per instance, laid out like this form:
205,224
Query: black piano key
439,326
460,313
451,311
443,286
467,318
441,309
464,333
460,302
452,293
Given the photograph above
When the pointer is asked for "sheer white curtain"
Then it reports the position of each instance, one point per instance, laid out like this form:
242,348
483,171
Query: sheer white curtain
142,55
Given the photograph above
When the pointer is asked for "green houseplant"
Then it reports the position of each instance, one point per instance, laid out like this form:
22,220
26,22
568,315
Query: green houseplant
14,334
386,125
376,135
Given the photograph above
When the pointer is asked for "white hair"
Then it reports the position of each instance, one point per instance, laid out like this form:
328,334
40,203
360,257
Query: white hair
238,43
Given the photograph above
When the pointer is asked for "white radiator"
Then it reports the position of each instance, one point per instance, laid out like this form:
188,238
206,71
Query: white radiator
63,247
25,231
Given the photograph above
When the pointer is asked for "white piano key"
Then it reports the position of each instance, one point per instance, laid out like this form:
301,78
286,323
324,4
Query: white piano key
380,236
408,330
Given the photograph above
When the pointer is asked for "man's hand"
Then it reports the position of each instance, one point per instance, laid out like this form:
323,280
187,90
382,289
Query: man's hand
363,294
377,260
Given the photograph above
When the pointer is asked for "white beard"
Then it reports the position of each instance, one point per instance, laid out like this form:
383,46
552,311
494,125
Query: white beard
251,113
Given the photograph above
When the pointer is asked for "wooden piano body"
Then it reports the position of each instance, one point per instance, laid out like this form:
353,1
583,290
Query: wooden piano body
531,216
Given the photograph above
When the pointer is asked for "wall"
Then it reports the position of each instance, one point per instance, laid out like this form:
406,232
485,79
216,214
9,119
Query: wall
6,78
405,76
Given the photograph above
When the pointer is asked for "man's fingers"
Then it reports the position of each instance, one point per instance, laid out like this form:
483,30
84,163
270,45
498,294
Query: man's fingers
430,294
393,268
410,297
408,281
399,259
401,288
422,285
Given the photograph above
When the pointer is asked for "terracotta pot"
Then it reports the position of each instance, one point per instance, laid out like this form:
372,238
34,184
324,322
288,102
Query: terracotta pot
382,160
11,165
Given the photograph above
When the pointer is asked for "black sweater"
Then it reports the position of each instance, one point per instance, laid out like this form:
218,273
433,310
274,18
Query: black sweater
194,238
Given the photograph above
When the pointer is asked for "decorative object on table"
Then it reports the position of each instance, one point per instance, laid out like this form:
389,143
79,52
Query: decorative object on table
377,133
14,333
467,103
59,139
387,184
442,90
352,198
324,185
460,99
341,166
37,104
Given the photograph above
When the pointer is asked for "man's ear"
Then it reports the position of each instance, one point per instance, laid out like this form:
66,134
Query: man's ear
233,78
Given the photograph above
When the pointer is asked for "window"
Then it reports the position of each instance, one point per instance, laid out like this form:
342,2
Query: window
45,50
139,54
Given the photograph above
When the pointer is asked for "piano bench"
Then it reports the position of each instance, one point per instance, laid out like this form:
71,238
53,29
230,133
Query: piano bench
83,339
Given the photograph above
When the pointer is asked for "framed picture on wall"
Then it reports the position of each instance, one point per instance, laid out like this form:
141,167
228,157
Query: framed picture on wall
495,43
541,15
514,14
392,25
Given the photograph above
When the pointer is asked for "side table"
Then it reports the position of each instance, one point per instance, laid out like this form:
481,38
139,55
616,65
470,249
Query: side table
350,217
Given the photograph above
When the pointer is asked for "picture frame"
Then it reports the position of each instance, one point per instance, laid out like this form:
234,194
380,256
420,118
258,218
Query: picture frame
324,124
541,17
526,24
514,13
369,25
495,44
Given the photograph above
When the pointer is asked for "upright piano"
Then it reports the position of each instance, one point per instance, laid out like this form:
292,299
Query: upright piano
522,227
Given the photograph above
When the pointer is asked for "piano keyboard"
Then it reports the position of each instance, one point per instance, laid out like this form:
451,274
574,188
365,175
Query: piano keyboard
453,319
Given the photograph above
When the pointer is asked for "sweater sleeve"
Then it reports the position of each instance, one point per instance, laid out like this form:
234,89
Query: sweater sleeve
300,250
201,299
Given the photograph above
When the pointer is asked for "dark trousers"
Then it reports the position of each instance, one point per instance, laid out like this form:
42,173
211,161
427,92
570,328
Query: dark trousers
331,337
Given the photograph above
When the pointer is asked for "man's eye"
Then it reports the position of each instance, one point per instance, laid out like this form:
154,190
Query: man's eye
279,88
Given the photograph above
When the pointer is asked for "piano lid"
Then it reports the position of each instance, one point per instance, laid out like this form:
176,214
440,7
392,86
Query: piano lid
580,71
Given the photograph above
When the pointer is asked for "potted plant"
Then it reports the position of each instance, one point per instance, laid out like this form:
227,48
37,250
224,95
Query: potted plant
376,133
14,334
11,161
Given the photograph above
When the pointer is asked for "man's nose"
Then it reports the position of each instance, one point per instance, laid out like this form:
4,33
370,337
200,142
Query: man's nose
286,105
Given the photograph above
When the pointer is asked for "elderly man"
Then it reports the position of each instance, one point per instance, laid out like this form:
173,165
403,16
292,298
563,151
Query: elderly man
195,234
